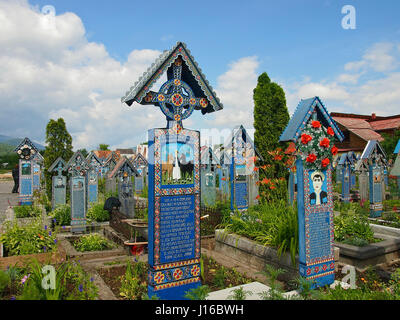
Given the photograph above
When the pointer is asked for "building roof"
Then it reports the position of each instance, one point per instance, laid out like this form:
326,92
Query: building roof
302,115
91,156
123,165
359,127
125,151
372,122
102,154
393,123
191,75
113,156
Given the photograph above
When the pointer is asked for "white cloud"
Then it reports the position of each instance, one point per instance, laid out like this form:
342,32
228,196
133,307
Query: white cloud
348,78
50,69
371,84
380,58
235,90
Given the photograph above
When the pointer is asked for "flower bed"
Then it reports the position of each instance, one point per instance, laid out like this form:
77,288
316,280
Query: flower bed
26,282
67,242
91,242
29,239
129,282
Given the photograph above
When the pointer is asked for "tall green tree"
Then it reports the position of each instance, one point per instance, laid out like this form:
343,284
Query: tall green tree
103,146
84,152
59,144
270,119
390,143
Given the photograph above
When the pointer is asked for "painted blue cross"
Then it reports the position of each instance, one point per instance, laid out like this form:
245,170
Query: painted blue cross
175,97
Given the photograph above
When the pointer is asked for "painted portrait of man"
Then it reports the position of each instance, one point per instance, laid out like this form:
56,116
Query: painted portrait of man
318,192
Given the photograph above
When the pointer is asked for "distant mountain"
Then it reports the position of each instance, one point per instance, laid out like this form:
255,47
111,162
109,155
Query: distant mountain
16,141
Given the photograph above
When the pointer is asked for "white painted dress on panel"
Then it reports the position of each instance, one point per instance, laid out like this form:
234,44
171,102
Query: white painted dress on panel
176,171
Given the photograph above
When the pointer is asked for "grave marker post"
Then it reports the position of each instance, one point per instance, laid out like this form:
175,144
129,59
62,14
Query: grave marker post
375,158
37,162
141,166
344,163
92,187
208,163
395,171
313,131
26,151
123,172
59,183
224,179
174,171
78,169
362,169
242,169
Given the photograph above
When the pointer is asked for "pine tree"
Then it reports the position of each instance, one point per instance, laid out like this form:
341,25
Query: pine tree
59,144
270,119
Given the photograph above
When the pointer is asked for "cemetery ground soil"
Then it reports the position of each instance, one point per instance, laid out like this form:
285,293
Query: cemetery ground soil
216,276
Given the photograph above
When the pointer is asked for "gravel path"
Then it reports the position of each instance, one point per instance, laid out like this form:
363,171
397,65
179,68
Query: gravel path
6,197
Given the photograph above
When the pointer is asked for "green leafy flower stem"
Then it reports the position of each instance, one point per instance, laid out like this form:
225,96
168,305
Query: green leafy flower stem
316,146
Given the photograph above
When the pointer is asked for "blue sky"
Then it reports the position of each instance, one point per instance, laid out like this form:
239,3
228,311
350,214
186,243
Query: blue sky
291,38
100,48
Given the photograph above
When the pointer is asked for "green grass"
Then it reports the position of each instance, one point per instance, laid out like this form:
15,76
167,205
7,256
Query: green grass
270,224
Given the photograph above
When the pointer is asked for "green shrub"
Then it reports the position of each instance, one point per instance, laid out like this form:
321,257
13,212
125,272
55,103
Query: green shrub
27,211
28,239
71,283
352,227
271,224
62,215
133,283
102,185
4,281
97,213
92,242
199,293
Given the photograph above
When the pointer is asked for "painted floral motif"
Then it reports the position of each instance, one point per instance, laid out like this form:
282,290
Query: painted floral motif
178,273
159,277
203,102
315,146
195,270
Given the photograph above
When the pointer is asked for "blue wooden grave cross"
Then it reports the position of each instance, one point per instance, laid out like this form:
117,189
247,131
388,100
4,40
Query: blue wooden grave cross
59,182
174,171
26,151
123,172
345,165
308,128
78,168
375,157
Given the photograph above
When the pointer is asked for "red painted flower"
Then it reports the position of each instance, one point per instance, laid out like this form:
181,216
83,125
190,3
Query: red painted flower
316,124
325,162
334,150
325,143
311,158
330,131
305,138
